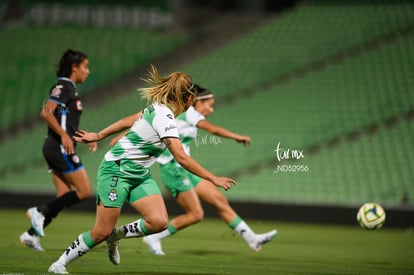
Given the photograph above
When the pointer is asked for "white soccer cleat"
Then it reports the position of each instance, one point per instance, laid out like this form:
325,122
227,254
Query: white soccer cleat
113,251
58,268
260,239
37,220
30,241
154,245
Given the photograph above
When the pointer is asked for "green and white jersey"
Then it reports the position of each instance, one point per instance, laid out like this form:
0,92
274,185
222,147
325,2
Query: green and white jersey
142,144
187,128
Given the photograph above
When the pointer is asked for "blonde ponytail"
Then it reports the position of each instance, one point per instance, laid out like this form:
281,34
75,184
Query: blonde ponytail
174,89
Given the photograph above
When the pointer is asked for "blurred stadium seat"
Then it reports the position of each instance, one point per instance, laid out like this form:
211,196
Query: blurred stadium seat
331,76
31,71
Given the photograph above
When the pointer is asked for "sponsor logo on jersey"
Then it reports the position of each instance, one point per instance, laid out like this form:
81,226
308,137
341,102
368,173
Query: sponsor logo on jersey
75,158
186,182
78,105
57,91
171,127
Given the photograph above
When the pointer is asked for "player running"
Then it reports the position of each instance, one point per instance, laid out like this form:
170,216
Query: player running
124,174
62,114
188,188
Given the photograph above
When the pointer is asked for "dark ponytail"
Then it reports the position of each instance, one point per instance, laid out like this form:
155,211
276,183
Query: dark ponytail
68,59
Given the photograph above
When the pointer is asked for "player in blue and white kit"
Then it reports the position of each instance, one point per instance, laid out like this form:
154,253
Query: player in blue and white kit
188,189
124,174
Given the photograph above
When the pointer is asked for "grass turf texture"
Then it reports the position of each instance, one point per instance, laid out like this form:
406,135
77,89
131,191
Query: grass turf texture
212,248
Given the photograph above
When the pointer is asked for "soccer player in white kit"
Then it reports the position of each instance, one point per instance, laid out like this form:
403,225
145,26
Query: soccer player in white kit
188,188
124,174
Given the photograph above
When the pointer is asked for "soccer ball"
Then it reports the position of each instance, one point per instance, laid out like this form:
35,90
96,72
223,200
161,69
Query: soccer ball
371,216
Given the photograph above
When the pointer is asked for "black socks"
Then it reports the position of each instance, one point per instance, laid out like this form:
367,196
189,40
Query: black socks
51,209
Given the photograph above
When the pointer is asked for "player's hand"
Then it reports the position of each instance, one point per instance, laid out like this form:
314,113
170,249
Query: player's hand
243,139
224,182
93,146
86,137
67,144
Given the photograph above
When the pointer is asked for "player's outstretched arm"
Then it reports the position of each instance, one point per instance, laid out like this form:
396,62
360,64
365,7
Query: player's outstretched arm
116,127
223,132
176,149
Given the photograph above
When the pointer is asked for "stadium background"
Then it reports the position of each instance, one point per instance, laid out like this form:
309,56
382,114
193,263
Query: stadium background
330,79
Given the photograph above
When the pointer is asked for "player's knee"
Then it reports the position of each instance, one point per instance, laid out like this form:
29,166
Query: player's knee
84,194
158,224
197,215
156,221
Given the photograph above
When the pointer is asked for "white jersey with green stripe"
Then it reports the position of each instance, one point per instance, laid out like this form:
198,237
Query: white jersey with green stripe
187,128
142,144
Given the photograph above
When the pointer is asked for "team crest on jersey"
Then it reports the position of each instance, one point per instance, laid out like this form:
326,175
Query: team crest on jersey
113,196
75,158
57,91
79,105
186,182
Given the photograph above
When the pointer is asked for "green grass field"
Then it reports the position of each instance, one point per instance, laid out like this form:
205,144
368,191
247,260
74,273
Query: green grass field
212,248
